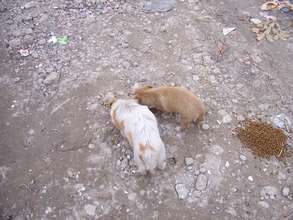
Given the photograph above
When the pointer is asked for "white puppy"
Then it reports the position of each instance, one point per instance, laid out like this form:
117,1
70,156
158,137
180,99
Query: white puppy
139,125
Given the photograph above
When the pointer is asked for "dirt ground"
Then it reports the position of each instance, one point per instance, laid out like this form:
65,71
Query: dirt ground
61,157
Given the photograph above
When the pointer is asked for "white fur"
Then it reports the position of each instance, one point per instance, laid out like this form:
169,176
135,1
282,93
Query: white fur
141,123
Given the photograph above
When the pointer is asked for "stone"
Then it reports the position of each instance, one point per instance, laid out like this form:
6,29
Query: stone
195,78
255,20
109,98
205,126
188,161
286,191
159,5
216,149
90,209
182,191
51,78
242,157
201,182
228,30
250,178
269,192
227,119
264,204
231,211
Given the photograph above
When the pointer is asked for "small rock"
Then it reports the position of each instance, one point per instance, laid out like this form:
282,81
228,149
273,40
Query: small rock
227,164
282,176
216,149
90,209
109,98
203,170
29,5
255,20
51,78
228,30
91,146
269,192
24,52
227,119
182,191
131,196
250,178
240,118
195,78
242,157
285,191
231,211
201,182
159,5
188,161
48,210
205,126
264,204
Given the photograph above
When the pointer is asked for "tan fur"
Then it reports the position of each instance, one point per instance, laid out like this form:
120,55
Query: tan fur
173,99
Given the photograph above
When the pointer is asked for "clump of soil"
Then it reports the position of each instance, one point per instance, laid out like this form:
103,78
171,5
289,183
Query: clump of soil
263,139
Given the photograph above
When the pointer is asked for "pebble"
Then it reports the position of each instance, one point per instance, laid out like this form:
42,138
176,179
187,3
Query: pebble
205,126
255,20
51,78
201,182
227,164
182,191
108,98
269,192
242,157
188,161
250,178
227,119
228,30
264,204
240,118
91,146
195,78
90,209
285,191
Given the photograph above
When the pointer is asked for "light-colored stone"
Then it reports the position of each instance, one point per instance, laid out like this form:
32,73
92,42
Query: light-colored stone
263,204
269,192
90,209
188,161
242,157
182,191
205,126
201,182
250,178
286,191
51,78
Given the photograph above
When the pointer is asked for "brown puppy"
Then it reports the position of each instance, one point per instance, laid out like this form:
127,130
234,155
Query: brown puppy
173,99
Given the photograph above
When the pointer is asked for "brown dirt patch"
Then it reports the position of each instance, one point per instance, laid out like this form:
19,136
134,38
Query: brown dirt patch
263,139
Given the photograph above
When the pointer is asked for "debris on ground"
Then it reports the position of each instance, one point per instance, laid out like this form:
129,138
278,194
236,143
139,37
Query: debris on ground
24,52
63,40
228,30
263,139
52,40
108,99
188,161
181,190
269,30
285,6
281,121
159,5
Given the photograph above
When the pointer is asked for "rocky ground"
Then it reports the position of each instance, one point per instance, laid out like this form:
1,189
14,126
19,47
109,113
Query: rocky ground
60,156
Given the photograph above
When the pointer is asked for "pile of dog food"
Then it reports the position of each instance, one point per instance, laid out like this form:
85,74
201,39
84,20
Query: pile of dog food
263,139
